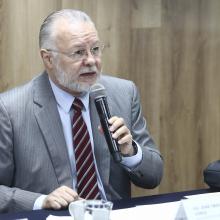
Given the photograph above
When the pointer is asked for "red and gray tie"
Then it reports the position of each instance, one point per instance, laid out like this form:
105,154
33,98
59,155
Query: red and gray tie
86,174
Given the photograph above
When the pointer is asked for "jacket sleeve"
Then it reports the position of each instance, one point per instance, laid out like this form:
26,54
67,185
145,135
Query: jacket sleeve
148,173
11,198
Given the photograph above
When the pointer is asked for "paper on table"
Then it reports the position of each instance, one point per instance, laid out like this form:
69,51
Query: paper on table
203,195
128,214
165,211
200,206
116,214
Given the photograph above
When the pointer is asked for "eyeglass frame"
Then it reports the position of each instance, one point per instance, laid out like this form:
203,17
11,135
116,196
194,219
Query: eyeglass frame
84,52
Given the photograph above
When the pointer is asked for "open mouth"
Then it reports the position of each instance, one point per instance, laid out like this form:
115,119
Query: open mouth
88,76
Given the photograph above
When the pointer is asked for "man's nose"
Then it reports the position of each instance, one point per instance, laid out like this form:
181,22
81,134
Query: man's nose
89,59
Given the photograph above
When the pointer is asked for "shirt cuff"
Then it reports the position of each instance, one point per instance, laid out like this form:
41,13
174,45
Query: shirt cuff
38,204
133,161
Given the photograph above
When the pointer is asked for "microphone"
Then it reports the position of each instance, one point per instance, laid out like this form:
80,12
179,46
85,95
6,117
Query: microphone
98,94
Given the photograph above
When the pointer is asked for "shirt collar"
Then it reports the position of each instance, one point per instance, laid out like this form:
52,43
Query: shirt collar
65,99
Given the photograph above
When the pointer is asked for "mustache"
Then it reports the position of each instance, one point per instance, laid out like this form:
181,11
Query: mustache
88,69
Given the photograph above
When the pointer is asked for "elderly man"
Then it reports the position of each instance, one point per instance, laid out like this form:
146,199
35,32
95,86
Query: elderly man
52,148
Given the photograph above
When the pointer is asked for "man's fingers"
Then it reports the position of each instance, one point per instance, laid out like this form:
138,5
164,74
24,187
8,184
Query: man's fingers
126,139
71,192
68,194
51,202
60,198
115,123
55,205
121,132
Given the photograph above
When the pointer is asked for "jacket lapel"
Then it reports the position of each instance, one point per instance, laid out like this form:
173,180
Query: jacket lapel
48,119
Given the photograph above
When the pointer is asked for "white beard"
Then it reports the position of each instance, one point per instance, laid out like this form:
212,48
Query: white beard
67,79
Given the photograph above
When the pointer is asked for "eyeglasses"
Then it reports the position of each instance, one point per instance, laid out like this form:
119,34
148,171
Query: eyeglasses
82,54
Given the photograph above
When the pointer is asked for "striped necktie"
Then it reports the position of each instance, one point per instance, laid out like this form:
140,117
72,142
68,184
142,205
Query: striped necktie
85,168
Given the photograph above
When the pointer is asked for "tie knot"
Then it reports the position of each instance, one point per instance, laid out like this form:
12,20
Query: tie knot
77,105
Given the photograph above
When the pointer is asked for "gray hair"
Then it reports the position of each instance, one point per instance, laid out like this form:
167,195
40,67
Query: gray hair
46,30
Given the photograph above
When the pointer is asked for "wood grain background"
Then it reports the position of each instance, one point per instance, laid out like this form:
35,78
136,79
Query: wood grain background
169,48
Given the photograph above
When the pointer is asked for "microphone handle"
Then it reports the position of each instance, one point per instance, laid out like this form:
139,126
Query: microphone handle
104,114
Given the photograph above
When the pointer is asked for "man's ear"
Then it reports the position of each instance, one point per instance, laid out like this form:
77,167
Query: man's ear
47,58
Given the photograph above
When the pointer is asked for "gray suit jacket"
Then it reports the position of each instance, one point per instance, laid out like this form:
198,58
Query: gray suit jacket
33,152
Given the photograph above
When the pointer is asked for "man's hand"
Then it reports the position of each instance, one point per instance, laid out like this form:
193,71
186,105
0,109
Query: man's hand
60,198
122,134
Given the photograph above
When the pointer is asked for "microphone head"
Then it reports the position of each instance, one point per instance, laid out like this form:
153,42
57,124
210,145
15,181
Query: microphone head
97,91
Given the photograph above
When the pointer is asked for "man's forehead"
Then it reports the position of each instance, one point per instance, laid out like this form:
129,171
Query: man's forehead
67,30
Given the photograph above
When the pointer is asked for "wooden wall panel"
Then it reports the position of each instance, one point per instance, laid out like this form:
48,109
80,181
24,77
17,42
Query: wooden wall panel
145,71
19,33
169,48
190,47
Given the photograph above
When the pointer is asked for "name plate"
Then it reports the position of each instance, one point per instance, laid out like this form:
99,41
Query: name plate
201,207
